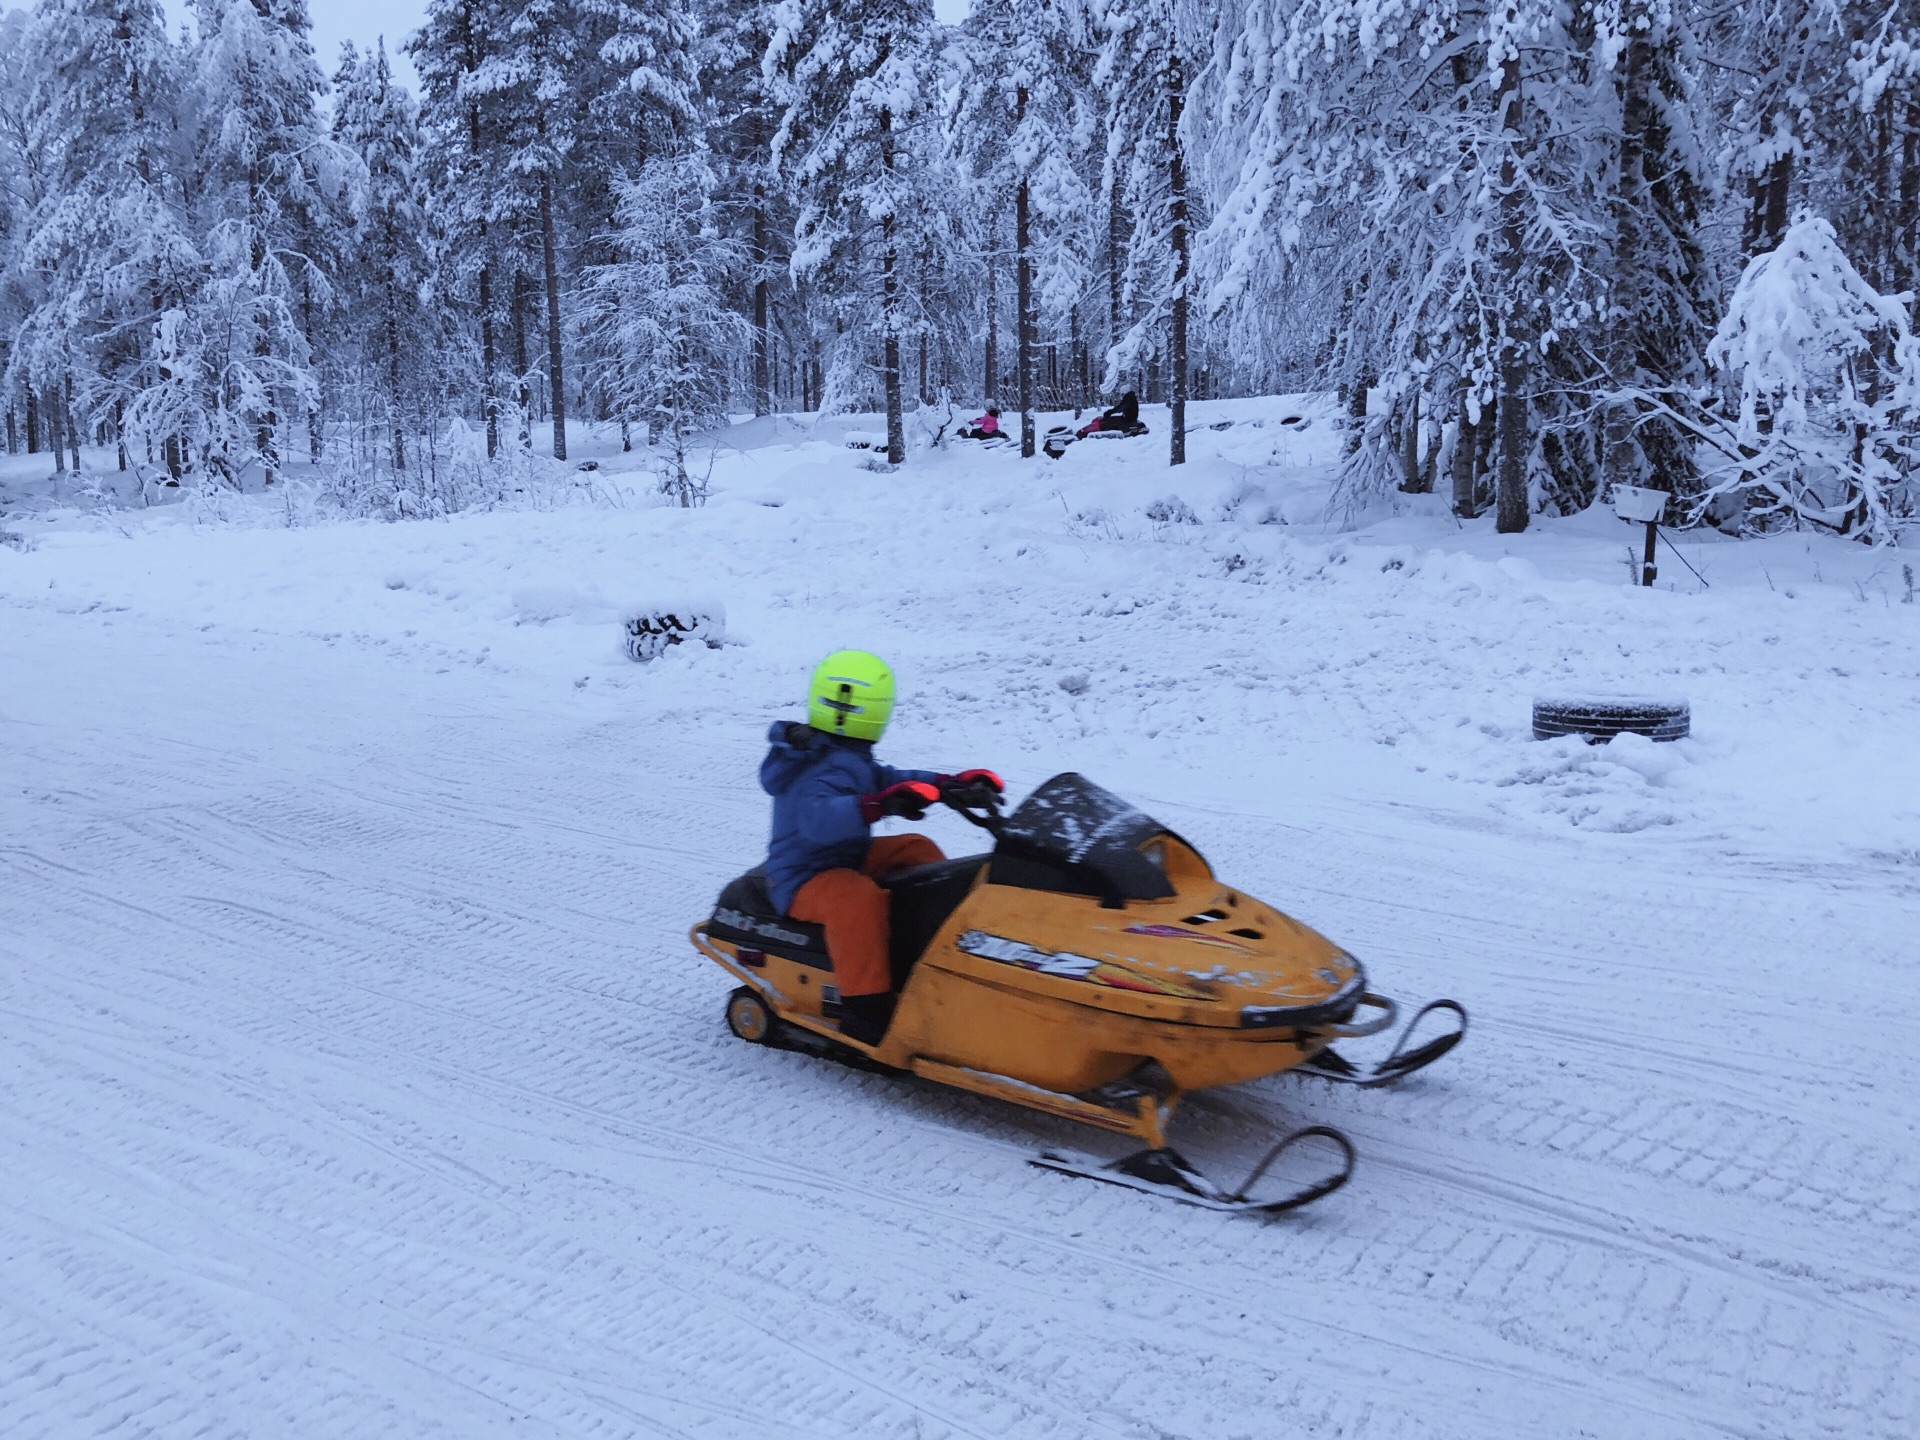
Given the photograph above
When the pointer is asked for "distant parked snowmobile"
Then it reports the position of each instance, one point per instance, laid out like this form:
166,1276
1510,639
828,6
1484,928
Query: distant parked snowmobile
1090,967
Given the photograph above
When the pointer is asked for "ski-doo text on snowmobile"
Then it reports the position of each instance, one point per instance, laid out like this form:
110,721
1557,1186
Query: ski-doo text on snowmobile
1090,967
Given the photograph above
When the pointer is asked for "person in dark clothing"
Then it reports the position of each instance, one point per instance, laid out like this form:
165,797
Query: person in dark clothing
1123,417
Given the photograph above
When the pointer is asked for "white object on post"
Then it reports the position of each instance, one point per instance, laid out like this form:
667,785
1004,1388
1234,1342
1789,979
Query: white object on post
1647,506
1638,502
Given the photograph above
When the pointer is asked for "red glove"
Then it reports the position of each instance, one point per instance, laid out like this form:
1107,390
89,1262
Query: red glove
978,777
910,798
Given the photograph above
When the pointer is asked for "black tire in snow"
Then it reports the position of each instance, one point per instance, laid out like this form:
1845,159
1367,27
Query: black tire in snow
1600,720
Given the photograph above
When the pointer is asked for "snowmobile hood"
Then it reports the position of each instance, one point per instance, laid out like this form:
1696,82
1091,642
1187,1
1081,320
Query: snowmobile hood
1093,902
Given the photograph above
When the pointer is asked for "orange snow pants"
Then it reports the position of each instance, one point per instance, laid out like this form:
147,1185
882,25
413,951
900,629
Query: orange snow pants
854,911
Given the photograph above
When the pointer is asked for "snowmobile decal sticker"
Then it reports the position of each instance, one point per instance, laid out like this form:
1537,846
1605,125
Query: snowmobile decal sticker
1018,952
754,925
1180,932
1069,966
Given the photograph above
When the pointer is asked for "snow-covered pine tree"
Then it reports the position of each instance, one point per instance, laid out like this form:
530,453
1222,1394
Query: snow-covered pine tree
466,130
1383,172
1778,56
270,188
105,240
1873,141
750,204
638,88
1826,375
1025,116
1145,69
853,142
660,314
1659,307
525,82
389,330
22,187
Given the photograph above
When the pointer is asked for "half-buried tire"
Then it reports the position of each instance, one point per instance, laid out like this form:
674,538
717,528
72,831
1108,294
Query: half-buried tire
1600,720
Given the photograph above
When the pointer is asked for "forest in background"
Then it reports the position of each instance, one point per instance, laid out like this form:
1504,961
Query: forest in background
1538,249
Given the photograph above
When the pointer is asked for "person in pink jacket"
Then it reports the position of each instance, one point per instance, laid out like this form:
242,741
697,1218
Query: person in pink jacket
987,427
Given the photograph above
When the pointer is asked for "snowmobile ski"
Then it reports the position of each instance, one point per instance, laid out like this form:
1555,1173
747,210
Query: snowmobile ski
1166,1172
1405,1058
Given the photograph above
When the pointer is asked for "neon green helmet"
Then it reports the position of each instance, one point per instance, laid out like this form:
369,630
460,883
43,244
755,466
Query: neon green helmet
851,695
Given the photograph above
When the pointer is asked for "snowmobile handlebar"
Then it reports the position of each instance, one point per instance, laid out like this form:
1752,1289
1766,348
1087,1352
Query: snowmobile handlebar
979,803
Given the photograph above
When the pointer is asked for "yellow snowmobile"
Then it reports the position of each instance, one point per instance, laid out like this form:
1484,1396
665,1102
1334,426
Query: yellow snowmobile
1090,967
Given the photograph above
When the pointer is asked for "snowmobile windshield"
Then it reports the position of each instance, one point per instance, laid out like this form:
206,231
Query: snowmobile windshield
1073,822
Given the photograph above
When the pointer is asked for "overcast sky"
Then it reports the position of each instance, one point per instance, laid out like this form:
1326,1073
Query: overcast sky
365,21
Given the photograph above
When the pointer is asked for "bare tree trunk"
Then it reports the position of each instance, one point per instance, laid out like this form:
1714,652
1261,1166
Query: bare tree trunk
1177,191
1079,361
1116,239
993,318
762,333
1023,285
1412,475
488,406
518,322
393,385
1767,192
1907,261
119,434
13,431
1466,448
556,374
1356,398
926,309
266,437
1620,461
67,421
53,432
1514,338
306,325
890,308
33,422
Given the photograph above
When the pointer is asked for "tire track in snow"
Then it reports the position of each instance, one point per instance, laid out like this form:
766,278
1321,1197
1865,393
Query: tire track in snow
450,1091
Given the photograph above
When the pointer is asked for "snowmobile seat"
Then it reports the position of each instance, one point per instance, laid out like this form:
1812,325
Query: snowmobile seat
745,916
923,897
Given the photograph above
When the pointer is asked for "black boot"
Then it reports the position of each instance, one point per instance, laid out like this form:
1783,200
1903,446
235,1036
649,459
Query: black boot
865,1017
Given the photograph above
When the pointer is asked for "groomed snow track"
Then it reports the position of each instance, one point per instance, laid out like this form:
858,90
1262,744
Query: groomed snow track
355,1080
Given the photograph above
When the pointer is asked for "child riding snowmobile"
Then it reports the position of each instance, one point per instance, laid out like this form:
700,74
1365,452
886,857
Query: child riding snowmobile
828,792
987,427
1091,966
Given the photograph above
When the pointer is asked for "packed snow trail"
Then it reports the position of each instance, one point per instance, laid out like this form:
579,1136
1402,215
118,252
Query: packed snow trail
358,1078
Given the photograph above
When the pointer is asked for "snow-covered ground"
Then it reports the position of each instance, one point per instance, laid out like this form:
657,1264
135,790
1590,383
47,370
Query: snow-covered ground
356,1078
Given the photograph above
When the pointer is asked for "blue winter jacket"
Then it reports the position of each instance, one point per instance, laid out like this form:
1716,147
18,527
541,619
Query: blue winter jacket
816,781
